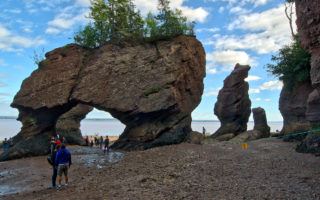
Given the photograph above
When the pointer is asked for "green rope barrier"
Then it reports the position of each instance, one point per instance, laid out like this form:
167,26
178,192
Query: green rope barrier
299,133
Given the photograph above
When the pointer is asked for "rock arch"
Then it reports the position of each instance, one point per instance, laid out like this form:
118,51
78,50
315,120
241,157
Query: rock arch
152,88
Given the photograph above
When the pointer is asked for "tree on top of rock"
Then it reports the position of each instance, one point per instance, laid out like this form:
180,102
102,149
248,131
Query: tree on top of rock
116,20
112,21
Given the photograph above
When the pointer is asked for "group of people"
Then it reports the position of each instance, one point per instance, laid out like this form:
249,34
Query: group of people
7,144
60,159
102,143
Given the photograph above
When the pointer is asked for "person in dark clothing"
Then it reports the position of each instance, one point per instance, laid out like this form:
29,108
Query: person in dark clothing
106,145
54,166
63,161
101,142
87,141
5,145
10,142
91,143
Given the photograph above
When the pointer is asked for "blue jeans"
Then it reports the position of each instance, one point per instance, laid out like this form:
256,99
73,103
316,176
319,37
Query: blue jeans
54,176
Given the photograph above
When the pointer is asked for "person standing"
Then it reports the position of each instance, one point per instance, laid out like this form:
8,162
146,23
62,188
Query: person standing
54,166
87,141
63,161
101,142
5,145
106,145
203,131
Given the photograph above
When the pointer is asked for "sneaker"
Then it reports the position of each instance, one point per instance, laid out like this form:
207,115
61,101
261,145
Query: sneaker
59,187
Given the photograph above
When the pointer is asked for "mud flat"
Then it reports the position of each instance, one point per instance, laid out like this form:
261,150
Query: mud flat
268,169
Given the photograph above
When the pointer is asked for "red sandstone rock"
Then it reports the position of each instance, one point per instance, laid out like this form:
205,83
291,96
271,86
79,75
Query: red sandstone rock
293,107
308,22
151,88
233,107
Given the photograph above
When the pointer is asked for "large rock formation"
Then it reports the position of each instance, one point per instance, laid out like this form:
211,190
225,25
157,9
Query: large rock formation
293,107
308,22
68,124
151,88
260,122
233,107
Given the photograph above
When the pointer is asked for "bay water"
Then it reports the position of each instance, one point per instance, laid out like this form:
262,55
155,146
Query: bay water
112,127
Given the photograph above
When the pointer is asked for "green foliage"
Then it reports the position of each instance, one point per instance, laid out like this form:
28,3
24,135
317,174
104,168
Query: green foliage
291,64
117,20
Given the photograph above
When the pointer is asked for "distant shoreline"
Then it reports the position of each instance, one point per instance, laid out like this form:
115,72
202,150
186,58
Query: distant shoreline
110,119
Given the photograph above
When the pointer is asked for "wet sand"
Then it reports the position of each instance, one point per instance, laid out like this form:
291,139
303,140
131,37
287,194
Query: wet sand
269,169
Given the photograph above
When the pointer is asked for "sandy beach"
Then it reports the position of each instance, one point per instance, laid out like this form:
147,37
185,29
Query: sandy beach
268,169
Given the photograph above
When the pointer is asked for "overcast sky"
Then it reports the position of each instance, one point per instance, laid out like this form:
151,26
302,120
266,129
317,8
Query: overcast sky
232,31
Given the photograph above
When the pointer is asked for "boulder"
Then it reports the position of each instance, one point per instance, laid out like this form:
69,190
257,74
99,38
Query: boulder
293,107
260,122
233,107
225,137
68,124
195,138
152,88
308,23
248,136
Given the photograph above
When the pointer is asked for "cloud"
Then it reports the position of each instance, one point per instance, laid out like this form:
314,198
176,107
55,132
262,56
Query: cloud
210,30
66,19
241,2
198,14
2,63
211,92
84,3
254,91
272,85
253,78
11,42
269,35
2,84
226,59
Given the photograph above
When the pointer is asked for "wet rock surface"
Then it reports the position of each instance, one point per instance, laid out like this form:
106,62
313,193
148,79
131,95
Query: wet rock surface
151,88
293,107
268,169
233,107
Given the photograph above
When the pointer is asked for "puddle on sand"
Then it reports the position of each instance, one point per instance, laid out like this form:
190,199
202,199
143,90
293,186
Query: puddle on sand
5,190
101,160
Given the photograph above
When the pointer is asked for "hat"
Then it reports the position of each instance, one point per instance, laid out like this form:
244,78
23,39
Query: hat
58,142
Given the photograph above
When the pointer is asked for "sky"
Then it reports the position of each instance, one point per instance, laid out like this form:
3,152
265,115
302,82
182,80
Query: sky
231,31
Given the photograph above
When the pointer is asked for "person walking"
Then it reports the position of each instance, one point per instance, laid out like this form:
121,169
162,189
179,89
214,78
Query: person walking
63,161
106,145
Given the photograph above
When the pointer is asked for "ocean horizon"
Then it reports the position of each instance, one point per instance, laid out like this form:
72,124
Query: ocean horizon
10,127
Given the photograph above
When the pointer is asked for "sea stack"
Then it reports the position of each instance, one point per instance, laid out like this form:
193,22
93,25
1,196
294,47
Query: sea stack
293,107
152,88
260,122
233,107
